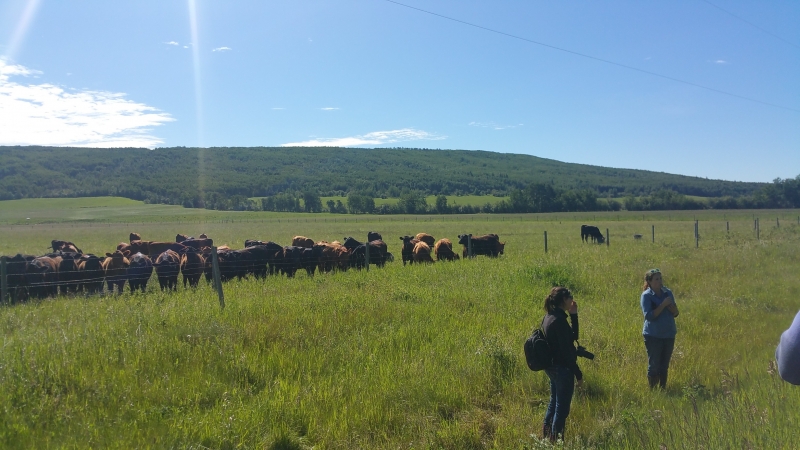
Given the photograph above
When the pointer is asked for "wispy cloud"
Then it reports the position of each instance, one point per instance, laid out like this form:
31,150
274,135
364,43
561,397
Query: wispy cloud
329,109
172,43
221,49
45,114
374,138
493,125
720,61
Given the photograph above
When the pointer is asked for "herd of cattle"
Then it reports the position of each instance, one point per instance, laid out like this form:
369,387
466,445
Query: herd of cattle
68,270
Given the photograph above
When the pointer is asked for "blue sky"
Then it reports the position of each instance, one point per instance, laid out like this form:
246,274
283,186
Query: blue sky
371,73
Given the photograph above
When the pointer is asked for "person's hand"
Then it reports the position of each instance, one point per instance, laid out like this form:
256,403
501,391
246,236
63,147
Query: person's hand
668,302
573,308
579,383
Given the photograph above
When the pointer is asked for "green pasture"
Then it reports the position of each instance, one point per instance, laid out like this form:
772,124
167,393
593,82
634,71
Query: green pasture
452,200
406,356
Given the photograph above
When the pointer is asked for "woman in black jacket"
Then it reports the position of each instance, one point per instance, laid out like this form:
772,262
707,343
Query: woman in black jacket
564,371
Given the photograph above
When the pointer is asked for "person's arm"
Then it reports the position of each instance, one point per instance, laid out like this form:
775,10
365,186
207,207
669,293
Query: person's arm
651,313
567,349
573,318
788,353
673,307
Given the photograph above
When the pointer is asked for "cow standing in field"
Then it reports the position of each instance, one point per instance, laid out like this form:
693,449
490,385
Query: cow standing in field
407,252
140,268
68,274
91,273
488,244
358,252
192,264
134,237
443,249
167,266
593,233
302,241
426,238
17,266
422,252
374,236
115,269
41,277
64,246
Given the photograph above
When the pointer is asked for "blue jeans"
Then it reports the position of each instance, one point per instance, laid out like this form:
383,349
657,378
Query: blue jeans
659,353
562,386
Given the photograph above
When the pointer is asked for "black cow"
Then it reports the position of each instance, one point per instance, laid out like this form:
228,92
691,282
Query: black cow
374,236
198,244
407,251
17,267
68,274
168,265
41,277
488,244
140,270
91,273
593,233
358,252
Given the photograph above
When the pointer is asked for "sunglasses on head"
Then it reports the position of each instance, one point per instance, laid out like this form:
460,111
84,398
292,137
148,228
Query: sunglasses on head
653,271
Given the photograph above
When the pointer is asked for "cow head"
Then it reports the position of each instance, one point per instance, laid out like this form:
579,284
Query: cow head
373,236
350,243
463,238
135,237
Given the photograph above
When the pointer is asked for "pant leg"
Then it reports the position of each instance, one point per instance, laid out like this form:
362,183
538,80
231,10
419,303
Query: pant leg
565,388
655,349
668,345
551,407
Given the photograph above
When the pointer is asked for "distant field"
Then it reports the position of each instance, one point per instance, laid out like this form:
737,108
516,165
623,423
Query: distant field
452,200
405,356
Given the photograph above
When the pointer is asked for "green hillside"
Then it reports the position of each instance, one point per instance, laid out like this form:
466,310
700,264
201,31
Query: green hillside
188,175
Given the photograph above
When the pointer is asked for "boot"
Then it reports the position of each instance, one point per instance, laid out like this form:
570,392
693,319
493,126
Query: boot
653,381
546,431
662,380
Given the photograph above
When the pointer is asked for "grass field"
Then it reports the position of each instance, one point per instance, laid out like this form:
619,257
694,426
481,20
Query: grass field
405,356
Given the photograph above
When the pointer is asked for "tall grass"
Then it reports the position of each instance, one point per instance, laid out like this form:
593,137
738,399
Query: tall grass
409,356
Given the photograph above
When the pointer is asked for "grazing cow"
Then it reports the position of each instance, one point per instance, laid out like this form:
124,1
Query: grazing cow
168,265
443,249
593,233
422,252
68,275
140,269
64,246
426,238
327,256
270,253
488,244
192,264
407,251
358,252
182,237
115,268
41,277
91,273
309,259
259,257
289,260
373,236
302,241
134,237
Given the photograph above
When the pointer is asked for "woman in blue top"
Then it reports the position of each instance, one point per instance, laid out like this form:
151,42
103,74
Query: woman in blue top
660,311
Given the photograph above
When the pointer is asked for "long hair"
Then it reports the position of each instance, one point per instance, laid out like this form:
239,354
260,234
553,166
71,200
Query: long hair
556,297
649,276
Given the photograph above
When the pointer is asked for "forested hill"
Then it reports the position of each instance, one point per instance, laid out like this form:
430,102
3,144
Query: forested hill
178,175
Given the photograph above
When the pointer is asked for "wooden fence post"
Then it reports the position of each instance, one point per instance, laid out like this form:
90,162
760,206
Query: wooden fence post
696,234
608,240
469,245
545,241
654,232
3,279
727,227
217,277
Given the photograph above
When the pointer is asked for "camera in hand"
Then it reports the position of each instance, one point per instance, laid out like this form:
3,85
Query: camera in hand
583,353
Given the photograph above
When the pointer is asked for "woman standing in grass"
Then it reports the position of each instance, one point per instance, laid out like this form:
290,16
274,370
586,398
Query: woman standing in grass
660,311
560,337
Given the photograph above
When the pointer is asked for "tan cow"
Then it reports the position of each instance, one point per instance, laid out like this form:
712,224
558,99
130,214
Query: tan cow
443,249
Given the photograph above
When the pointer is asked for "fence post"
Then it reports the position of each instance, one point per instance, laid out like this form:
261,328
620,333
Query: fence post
469,245
654,232
696,234
3,279
217,277
758,230
545,241
727,227
366,255
778,222
608,240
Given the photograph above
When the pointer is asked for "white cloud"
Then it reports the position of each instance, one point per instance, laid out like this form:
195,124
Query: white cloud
221,49
46,114
172,43
374,138
720,61
329,109
493,125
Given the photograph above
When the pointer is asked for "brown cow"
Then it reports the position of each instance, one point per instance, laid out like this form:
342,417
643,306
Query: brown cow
302,241
407,251
182,237
192,266
422,252
115,268
443,249
426,238
41,277
167,266
135,237
91,273
488,244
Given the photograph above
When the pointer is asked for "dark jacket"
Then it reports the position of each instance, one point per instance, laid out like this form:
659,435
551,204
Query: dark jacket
560,336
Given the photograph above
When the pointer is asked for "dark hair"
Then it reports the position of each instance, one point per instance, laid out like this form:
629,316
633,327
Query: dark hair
649,276
556,297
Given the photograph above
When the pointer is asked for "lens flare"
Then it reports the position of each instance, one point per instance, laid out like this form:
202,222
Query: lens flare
22,28
201,163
